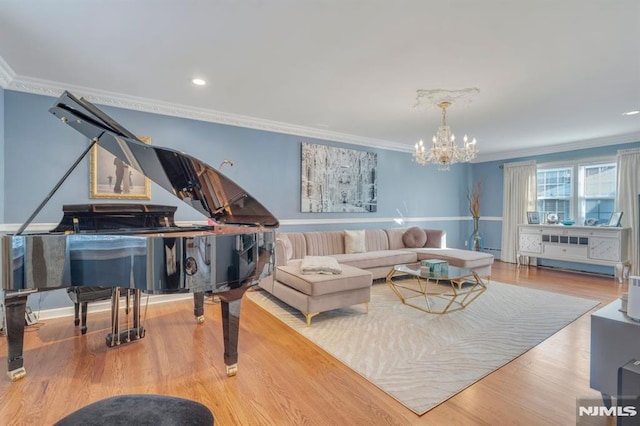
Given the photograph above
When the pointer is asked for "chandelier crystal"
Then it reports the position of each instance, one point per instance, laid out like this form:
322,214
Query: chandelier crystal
444,150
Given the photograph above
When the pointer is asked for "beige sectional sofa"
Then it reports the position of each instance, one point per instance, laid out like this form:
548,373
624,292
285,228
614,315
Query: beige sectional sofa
363,256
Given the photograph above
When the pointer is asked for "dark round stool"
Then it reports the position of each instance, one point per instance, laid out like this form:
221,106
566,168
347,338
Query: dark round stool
141,409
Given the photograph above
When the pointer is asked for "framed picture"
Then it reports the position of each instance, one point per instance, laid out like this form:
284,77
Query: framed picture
533,218
338,180
615,218
110,178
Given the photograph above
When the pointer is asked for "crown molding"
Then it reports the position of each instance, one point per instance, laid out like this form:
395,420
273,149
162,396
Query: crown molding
6,74
560,147
10,81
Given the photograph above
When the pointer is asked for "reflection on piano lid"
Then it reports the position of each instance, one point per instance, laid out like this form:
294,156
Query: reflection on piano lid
189,179
107,217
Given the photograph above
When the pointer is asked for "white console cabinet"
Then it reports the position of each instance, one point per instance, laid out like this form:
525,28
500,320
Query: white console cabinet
606,246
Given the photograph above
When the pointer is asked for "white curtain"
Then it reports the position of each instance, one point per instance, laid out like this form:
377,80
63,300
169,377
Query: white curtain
627,199
520,193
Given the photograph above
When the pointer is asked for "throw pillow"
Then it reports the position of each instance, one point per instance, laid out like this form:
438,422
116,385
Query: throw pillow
414,237
288,248
354,242
319,265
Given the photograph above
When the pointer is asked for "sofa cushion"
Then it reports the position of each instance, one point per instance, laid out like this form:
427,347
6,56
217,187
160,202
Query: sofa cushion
376,239
436,238
354,241
319,284
298,243
319,265
374,259
326,243
468,259
414,237
395,238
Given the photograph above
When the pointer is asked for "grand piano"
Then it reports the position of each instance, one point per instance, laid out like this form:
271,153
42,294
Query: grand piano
137,248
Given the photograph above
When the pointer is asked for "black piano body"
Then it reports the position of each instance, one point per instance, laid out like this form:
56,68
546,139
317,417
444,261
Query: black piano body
138,248
105,217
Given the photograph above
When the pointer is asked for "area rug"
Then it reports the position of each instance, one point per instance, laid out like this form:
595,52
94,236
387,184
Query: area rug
424,359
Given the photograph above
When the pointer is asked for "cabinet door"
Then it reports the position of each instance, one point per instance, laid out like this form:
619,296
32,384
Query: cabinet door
604,248
530,243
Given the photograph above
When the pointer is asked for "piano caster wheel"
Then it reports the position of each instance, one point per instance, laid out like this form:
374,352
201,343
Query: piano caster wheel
17,374
76,322
83,330
200,319
232,370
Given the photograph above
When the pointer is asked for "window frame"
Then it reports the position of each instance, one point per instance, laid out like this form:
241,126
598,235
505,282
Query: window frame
577,199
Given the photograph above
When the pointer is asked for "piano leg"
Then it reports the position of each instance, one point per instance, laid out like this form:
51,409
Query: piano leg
113,338
116,337
230,331
198,306
76,313
137,326
15,309
84,306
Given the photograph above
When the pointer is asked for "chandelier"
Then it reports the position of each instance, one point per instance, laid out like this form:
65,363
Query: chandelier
444,150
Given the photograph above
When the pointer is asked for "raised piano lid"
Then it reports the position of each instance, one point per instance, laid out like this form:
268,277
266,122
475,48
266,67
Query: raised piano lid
189,179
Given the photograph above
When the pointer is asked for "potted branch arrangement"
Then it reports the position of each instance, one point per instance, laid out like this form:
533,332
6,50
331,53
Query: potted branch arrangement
473,196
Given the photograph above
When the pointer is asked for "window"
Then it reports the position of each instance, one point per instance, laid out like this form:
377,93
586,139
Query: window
555,191
578,190
599,196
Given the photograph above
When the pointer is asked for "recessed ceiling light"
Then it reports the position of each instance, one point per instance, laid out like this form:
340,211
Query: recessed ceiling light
631,112
198,82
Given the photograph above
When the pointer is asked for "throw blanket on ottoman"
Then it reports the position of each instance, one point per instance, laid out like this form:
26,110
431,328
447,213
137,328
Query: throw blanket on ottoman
320,265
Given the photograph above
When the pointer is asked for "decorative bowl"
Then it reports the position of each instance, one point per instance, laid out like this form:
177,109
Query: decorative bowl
568,222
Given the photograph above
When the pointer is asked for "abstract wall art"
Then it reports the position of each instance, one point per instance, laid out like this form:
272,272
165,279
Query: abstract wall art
338,180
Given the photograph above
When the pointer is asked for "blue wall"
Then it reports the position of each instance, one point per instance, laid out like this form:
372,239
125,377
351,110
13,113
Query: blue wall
39,149
36,149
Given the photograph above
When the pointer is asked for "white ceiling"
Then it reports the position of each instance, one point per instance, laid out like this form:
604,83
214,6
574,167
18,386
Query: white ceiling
553,74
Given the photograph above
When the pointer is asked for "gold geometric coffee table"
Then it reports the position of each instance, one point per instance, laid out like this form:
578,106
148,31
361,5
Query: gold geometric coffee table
435,292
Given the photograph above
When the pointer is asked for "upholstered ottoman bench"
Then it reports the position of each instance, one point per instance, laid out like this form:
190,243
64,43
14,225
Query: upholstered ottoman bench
312,293
477,261
140,410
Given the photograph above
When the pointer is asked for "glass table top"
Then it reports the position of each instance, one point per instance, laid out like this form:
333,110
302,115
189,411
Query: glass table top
451,272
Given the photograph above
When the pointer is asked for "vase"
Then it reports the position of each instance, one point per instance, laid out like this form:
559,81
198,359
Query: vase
475,240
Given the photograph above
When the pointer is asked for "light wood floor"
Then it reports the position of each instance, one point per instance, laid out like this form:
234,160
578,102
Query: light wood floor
283,379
